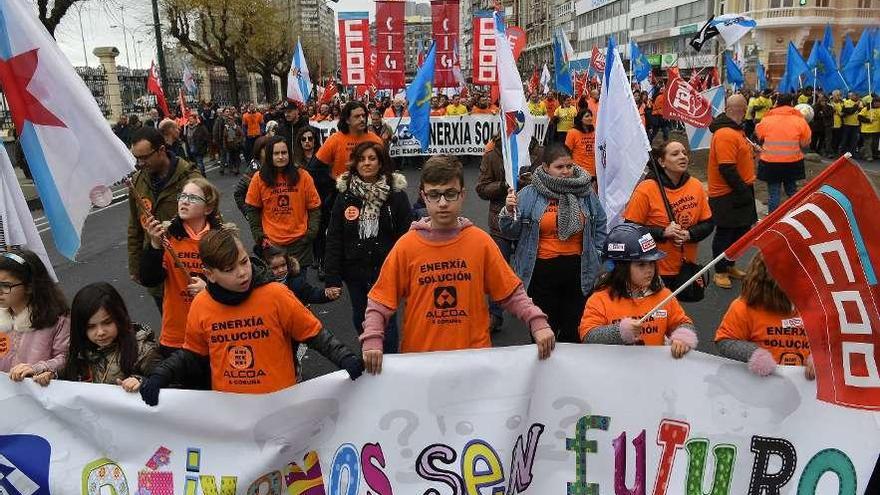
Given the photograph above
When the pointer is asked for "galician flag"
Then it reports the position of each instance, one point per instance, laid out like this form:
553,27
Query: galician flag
189,81
299,84
516,120
621,143
71,150
17,228
545,78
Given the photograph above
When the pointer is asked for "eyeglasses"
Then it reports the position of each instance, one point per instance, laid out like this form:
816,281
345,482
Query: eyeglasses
144,158
449,195
190,198
7,288
307,138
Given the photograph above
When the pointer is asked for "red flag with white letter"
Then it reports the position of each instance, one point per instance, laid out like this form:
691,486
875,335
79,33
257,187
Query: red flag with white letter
155,87
597,60
354,47
444,15
390,44
686,104
823,248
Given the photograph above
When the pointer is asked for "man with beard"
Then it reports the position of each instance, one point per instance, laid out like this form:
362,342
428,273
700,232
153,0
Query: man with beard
294,121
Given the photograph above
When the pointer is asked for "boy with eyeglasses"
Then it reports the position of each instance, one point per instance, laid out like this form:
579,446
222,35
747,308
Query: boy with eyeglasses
445,267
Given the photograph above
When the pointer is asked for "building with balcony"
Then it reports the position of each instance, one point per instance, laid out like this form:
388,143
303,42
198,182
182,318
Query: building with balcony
537,20
663,28
418,31
598,20
316,30
781,21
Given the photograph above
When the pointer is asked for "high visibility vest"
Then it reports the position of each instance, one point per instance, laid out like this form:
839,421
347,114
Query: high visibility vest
784,131
838,108
853,118
873,126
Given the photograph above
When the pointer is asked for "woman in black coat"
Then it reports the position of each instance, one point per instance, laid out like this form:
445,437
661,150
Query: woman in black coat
370,213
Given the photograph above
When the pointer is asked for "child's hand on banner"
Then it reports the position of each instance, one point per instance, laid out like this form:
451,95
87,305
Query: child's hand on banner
546,341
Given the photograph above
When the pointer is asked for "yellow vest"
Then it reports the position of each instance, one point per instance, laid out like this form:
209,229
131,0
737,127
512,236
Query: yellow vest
566,118
750,110
838,107
873,126
537,109
456,110
853,118
803,99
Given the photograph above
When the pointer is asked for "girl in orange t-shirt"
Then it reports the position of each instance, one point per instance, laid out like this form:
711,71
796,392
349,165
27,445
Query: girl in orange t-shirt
197,213
692,222
282,204
581,140
629,291
763,328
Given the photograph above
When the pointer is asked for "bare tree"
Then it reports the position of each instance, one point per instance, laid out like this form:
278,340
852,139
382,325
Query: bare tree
217,32
270,51
51,16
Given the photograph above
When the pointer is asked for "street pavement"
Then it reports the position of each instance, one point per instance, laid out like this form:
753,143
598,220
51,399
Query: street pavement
103,257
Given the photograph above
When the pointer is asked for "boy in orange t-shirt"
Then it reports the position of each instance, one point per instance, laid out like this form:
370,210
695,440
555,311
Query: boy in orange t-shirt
445,267
631,290
763,328
241,328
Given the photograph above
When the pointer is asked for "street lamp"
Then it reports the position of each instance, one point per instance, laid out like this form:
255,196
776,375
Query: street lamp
124,40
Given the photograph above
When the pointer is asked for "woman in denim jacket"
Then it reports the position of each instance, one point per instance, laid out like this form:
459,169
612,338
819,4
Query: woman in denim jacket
559,227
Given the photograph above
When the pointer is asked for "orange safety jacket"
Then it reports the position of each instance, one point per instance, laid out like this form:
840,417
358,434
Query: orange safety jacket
782,133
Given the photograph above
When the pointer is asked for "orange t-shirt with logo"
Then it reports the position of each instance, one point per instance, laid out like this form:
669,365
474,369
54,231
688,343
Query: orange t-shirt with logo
781,334
549,243
285,208
582,146
729,146
601,310
690,205
445,286
252,123
176,300
249,345
336,150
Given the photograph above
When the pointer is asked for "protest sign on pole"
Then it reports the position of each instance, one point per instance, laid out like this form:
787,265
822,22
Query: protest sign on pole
354,47
484,71
390,46
495,418
444,20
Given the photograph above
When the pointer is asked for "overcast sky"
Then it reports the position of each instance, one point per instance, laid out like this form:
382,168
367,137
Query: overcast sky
99,15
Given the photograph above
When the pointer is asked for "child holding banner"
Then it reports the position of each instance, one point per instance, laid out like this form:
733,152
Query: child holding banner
445,267
763,328
241,328
630,290
34,327
105,345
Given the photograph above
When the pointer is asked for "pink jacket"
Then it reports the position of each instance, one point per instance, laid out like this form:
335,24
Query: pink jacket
44,349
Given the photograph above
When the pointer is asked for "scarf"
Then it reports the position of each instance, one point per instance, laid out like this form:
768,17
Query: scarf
15,323
373,195
259,277
567,192
196,236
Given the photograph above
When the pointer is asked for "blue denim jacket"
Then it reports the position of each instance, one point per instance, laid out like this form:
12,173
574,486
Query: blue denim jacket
526,230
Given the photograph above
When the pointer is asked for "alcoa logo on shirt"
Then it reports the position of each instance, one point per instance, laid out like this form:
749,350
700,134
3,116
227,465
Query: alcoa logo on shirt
24,465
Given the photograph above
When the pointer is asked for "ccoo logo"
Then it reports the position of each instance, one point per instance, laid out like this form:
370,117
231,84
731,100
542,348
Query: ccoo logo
24,465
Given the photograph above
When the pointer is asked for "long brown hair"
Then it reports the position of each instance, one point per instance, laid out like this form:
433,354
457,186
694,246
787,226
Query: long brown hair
760,290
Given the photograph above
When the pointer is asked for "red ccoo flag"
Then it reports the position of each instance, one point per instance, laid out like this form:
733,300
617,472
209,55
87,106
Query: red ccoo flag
155,87
822,247
329,91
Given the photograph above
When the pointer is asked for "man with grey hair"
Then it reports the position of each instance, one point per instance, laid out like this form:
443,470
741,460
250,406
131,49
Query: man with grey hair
732,175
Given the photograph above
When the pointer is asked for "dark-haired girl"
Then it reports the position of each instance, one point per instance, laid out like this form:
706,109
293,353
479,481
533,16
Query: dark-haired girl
282,204
105,346
34,327
371,212
692,219
628,292
581,140
197,213
559,227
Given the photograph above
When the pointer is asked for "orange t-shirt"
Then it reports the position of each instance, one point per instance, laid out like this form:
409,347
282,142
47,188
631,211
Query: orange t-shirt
252,123
336,150
389,113
285,208
582,146
601,310
593,105
729,146
445,286
549,244
660,105
781,334
176,299
552,105
438,112
690,205
491,110
249,345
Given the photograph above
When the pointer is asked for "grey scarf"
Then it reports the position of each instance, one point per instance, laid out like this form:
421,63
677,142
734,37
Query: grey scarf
374,196
567,192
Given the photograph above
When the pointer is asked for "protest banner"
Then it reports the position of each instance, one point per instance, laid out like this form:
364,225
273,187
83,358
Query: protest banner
464,135
354,47
390,46
591,419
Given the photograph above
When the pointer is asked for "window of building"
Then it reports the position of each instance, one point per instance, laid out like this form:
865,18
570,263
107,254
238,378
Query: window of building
638,22
821,3
864,4
615,9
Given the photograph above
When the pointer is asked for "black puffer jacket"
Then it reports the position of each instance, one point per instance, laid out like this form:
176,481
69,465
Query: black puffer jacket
347,254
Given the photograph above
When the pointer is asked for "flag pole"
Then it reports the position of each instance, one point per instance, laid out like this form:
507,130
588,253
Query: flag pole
815,80
682,287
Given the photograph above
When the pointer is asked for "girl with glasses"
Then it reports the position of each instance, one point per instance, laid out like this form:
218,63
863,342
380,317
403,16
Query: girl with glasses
197,213
34,327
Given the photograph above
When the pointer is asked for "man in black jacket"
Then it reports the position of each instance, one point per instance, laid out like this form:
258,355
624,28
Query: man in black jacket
293,121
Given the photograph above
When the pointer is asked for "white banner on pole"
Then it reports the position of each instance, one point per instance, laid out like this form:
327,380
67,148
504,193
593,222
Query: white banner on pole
471,422
464,135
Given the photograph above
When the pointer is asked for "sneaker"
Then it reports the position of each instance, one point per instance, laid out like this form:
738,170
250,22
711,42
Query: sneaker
722,280
735,273
495,324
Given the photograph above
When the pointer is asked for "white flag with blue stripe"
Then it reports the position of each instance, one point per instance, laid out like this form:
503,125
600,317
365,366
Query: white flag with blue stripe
299,83
72,152
700,137
516,120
